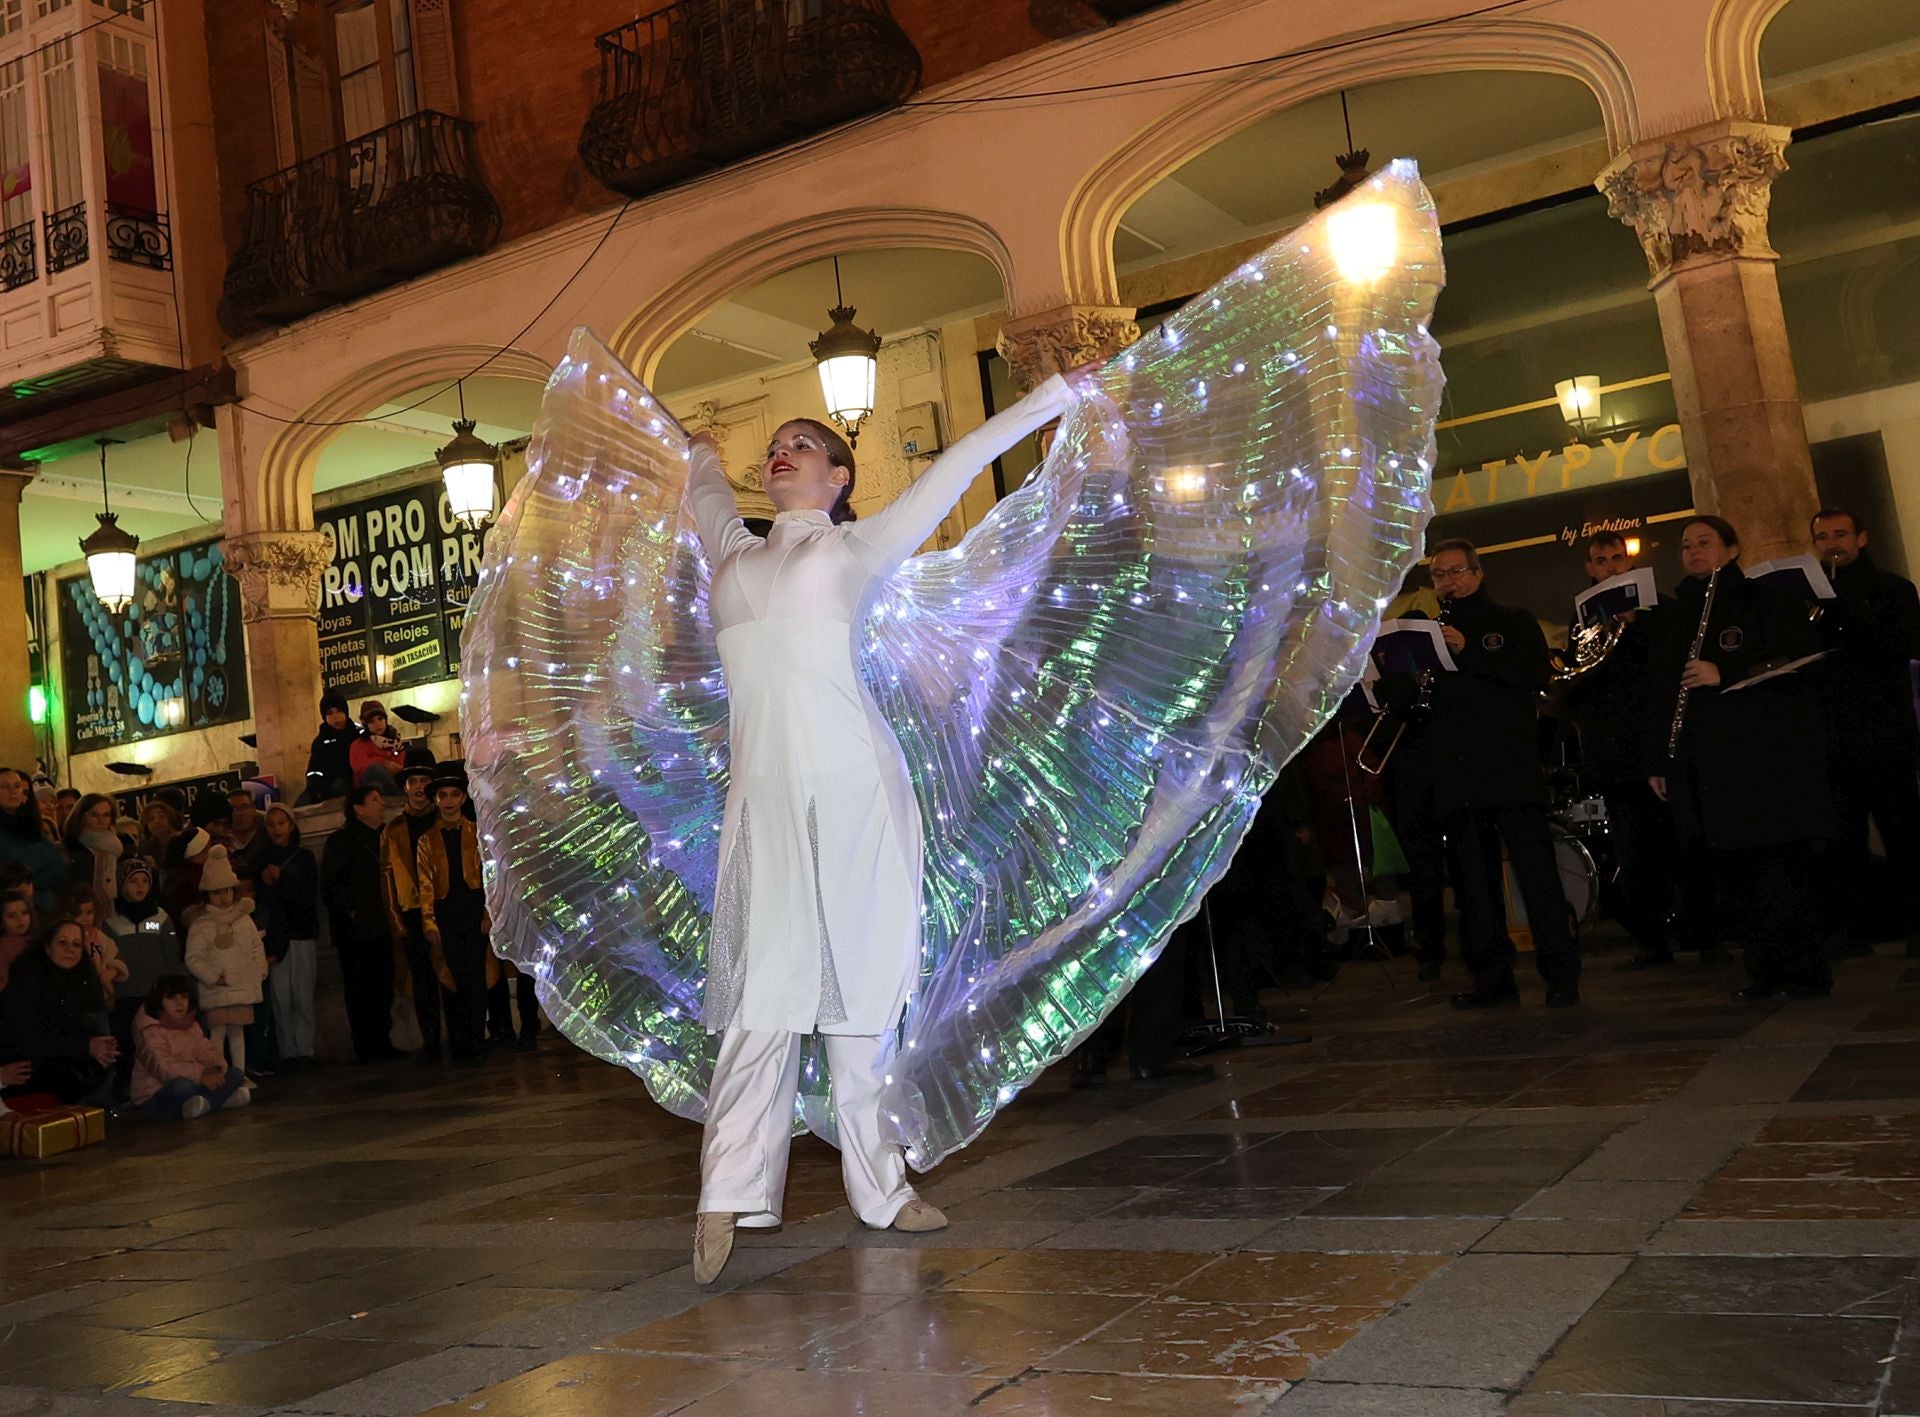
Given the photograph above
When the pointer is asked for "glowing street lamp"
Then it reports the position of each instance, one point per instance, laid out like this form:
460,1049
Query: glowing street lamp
849,363
470,468
110,550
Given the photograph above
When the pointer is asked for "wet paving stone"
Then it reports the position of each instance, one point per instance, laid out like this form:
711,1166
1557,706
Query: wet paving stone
1730,1284
1854,1072
1732,1357
379,1244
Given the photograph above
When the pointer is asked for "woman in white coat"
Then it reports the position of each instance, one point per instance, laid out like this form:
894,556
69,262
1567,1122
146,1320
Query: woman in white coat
816,920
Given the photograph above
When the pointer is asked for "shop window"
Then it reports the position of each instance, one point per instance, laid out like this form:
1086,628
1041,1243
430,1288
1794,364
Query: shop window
1846,221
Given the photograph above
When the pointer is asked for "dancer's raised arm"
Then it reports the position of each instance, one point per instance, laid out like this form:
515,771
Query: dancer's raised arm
892,534
715,512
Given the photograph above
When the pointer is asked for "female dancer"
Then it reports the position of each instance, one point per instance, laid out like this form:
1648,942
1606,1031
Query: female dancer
816,921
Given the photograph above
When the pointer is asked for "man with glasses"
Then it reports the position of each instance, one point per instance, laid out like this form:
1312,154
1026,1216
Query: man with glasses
1488,786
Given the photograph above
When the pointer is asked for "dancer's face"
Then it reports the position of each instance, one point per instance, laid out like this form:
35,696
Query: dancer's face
798,473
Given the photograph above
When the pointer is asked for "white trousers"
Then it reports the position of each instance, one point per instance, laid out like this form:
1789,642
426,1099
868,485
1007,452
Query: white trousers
292,983
743,1153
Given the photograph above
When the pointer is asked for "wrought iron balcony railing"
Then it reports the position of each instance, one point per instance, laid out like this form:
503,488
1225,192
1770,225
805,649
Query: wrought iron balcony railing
17,267
67,238
700,83
400,201
139,238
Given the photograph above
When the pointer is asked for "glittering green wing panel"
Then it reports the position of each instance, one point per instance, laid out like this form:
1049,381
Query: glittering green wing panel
596,719
1095,687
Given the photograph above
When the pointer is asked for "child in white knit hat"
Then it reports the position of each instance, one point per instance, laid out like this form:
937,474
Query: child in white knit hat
225,954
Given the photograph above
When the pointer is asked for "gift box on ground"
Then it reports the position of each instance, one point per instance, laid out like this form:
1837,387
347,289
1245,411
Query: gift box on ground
42,1134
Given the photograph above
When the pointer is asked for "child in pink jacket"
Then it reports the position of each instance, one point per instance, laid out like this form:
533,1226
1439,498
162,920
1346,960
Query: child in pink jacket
177,1070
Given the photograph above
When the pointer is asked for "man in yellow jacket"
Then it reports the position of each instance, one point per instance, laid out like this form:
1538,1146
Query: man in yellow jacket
453,915
400,854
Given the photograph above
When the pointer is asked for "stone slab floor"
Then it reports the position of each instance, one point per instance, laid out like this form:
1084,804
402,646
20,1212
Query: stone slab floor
1660,1203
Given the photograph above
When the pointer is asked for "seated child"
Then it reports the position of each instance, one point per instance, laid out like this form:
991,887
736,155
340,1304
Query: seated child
177,1072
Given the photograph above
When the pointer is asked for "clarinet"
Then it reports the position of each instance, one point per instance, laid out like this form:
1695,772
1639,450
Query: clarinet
1699,643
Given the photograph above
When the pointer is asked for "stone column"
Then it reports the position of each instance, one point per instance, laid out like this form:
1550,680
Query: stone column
19,744
279,574
1054,341
1698,201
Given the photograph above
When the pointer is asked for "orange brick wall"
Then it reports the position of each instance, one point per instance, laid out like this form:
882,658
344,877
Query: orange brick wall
243,118
528,75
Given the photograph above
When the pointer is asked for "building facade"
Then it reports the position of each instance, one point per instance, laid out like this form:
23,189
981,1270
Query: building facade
1703,210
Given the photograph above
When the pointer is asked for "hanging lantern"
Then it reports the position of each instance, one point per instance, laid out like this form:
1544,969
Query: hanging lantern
470,468
109,550
1579,400
848,359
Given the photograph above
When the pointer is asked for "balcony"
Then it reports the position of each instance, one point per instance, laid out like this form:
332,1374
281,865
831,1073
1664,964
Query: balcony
698,84
394,204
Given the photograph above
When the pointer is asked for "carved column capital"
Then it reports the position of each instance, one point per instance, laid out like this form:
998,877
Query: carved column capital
1055,341
279,573
1701,194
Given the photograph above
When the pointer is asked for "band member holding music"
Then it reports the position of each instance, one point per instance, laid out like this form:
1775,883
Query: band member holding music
1607,702
1872,628
1736,750
1482,749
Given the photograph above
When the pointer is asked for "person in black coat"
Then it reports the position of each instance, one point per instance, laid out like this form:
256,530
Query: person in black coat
1746,774
53,1015
353,881
330,759
1608,706
1872,630
1483,760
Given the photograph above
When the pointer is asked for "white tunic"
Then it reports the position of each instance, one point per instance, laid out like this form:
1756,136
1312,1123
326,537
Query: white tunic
816,919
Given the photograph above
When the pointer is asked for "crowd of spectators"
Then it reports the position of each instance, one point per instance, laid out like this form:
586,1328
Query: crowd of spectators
168,964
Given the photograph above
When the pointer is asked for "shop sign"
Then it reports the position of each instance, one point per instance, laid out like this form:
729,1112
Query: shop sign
174,661
1617,457
395,592
220,786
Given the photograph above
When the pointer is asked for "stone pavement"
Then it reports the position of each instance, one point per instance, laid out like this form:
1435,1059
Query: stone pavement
1660,1203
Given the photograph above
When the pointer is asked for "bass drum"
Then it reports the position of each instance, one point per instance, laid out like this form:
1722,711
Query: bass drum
1579,875
1579,883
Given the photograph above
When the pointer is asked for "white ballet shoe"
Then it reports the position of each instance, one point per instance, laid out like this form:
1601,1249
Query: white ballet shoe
917,1217
712,1244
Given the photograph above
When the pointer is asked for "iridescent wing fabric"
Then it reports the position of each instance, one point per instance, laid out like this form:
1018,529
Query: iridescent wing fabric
595,720
1091,691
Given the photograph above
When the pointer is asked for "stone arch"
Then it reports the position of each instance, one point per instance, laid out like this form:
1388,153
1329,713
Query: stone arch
287,464
643,338
1734,31
1098,204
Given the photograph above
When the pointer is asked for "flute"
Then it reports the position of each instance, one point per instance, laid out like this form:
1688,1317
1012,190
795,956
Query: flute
1699,643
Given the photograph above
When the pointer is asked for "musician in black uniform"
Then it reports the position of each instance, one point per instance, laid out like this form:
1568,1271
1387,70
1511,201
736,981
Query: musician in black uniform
1872,628
1482,746
1608,706
1746,773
